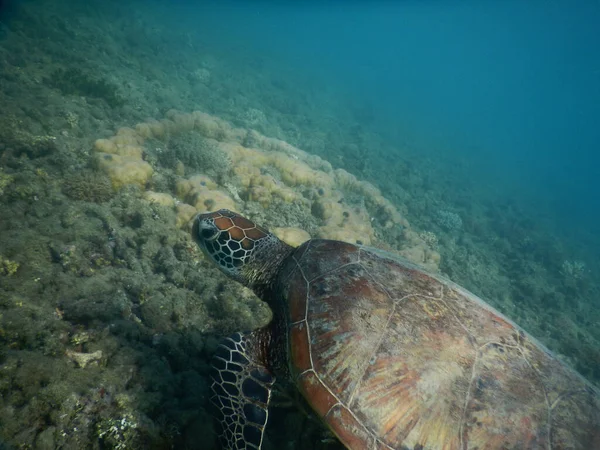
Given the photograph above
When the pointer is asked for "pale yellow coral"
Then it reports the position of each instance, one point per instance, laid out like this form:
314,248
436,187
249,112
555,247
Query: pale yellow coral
373,197
433,258
160,198
345,179
344,234
169,125
418,250
117,146
206,200
246,174
157,129
330,210
238,153
261,195
264,169
210,126
267,181
124,170
289,195
262,188
203,194
129,136
344,223
292,236
185,213
180,168
182,122
143,130
248,161
195,183
135,151
105,146
295,172
121,158
422,255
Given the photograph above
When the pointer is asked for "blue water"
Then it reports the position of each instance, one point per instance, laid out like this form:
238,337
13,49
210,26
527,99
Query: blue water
512,86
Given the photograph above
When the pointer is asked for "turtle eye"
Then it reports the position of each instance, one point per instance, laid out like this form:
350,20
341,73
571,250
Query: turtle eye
208,232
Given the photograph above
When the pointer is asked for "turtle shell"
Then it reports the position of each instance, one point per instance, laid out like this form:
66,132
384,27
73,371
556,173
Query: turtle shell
390,356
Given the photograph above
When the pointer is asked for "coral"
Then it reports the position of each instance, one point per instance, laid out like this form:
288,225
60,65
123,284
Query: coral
205,200
8,267
200,75
194,151
344,222
573,270
350,235
264,188
5,181
118,433
386,213
89,186
449,220
84,359
121,158
73,81
254,117
429,238
292,236
202,193
72,119
263,171
124,170
114,147
160,198
419,250
295,172
185,213
422,255
25,143
192,184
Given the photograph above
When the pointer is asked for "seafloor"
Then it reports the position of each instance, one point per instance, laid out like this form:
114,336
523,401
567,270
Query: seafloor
116,125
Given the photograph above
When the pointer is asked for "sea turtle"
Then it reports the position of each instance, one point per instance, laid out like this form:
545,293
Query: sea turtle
388,355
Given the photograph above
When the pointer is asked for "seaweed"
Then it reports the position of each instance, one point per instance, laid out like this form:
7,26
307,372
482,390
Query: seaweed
74,81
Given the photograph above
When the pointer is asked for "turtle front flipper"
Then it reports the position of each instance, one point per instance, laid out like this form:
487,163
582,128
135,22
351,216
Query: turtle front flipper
241,385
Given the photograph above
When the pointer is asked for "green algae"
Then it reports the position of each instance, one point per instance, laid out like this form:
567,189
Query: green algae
5,181
121,274
88,185
74,81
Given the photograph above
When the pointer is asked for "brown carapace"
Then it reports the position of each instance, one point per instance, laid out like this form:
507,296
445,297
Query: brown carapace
388,355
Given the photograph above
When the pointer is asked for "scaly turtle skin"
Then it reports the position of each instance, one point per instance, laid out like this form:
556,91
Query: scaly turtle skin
389,356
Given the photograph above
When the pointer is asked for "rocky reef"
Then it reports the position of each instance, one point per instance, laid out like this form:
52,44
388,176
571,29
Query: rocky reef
266,178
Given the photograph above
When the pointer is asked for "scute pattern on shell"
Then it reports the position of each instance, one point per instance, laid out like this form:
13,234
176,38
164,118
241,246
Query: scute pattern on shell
392,357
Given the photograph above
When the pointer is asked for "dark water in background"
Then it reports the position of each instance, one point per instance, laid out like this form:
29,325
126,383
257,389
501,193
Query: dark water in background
514,87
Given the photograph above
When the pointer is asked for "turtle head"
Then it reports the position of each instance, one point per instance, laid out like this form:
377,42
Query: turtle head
243,250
